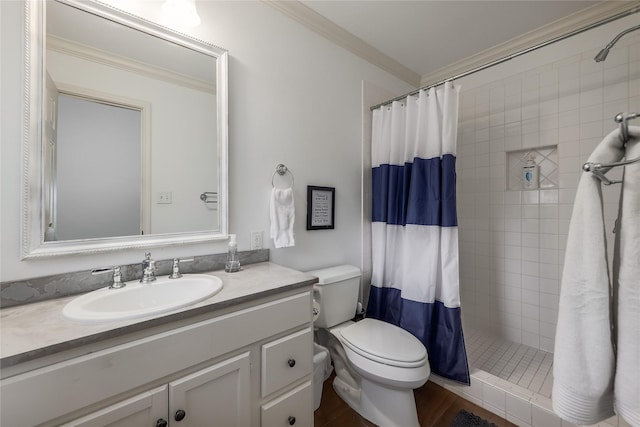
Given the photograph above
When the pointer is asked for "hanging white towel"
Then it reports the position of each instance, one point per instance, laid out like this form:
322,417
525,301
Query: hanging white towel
626,276
282,212
584,357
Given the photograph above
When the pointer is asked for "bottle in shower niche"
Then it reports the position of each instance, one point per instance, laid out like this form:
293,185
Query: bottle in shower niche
233,264
530,174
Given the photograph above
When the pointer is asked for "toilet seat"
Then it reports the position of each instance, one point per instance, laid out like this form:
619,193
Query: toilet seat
384,343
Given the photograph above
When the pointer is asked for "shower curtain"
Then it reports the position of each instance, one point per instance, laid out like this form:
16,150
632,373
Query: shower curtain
414,281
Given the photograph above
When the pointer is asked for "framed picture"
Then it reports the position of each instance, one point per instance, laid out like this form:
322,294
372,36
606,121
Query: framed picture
320,207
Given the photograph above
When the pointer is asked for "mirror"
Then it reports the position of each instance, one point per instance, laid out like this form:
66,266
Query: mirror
127,132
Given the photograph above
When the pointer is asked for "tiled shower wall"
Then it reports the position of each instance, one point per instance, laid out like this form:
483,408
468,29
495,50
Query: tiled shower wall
512,242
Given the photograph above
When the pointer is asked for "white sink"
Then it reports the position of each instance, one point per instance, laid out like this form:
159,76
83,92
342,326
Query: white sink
138,299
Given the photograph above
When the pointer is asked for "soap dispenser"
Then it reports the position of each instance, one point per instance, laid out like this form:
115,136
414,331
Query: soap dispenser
233,264
530,178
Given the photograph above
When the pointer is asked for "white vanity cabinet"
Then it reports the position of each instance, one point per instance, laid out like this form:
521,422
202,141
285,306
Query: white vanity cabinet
246,367
186,400
145,409
285,361
191,402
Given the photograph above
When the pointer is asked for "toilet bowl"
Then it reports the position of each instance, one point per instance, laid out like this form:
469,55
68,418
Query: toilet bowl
377,364
389,363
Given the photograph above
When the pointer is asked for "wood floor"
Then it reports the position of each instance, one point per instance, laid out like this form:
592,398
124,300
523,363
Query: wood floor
437,407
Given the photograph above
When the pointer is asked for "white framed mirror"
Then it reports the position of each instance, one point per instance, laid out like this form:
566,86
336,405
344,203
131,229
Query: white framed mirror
125,132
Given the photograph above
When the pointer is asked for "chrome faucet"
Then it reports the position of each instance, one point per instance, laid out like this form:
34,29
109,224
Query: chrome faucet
148,269
175,269
117,276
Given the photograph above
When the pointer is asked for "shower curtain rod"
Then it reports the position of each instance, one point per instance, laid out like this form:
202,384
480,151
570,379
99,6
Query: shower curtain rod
490,64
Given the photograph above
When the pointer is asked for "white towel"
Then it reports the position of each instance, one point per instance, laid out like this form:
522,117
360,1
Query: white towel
584,356
282,212
626,275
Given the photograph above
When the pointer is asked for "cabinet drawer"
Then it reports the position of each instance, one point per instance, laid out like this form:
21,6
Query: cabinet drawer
286,360
290,409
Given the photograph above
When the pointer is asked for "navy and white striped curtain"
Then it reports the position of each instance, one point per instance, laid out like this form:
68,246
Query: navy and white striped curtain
414,225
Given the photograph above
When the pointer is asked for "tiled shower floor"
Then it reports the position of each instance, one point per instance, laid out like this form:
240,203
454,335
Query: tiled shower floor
517,363
511,380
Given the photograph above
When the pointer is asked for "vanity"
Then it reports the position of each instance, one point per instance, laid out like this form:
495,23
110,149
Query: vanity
242,357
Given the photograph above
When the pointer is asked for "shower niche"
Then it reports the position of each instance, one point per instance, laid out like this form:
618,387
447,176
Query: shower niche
540,164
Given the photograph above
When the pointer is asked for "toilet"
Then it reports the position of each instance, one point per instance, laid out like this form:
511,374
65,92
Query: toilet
377,364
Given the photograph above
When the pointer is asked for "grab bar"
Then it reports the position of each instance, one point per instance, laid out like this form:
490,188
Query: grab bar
596,168
623,119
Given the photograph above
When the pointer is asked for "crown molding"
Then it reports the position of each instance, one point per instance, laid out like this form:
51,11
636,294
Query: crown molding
92,54
338,35
573,22
316,22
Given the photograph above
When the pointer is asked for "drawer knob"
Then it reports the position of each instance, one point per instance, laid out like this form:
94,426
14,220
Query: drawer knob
161,423
180,414
291,420
291,363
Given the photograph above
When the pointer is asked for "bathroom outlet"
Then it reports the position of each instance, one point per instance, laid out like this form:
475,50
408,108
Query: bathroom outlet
256,240
163,197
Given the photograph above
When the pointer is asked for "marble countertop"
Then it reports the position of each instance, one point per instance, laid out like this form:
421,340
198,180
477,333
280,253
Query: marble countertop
35,330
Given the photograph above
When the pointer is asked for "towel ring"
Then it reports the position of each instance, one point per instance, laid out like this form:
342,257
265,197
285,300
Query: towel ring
281,170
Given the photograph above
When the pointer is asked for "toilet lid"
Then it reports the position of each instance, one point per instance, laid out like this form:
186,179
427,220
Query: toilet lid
385,343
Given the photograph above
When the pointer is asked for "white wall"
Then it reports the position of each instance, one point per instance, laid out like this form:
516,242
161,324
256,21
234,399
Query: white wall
294,98
512,242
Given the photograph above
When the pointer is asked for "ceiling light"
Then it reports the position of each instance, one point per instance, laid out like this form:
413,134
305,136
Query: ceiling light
181,12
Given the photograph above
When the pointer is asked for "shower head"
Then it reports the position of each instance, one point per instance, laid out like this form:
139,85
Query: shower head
602,55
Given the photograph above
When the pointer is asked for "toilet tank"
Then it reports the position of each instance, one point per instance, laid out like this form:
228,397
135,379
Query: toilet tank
337,293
